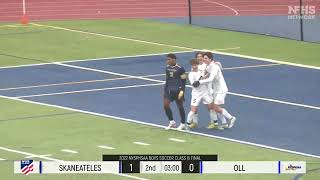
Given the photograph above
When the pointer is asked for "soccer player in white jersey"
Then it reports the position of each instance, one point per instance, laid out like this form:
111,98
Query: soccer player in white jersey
219,89
198,94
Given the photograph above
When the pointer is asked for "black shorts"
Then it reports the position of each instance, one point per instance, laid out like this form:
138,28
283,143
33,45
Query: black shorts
172,95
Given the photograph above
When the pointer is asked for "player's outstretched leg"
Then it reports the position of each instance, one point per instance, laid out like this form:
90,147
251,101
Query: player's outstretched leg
167,109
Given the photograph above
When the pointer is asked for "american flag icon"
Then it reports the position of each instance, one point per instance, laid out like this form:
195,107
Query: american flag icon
26,166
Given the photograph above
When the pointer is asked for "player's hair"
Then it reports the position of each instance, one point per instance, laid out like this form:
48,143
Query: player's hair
209,55
194,62
172,56
197,53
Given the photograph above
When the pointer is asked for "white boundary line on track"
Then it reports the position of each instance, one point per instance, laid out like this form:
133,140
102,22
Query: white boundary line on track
223,5
160,126
1,159
53,159
122,78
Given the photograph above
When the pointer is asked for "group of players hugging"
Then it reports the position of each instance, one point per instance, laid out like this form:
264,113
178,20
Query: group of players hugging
208,87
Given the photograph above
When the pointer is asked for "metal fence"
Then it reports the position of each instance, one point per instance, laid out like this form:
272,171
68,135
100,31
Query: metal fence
293,19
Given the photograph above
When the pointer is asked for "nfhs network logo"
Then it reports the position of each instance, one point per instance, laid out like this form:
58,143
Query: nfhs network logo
301,12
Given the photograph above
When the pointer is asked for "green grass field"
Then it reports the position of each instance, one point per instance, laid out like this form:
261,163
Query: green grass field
52,129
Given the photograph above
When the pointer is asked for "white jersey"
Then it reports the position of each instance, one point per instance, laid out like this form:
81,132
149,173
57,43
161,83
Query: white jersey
202,88
215,81
200,93
202,68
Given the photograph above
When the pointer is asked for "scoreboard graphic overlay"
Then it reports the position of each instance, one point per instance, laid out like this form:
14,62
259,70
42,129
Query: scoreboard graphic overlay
156,164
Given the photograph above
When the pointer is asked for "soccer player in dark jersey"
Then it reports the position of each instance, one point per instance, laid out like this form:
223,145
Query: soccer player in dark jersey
174,90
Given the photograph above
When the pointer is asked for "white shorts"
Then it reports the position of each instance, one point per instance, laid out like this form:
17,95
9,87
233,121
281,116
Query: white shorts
197,98
218,98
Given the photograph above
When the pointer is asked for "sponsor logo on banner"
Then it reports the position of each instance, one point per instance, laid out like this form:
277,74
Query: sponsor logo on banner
292,167
26,166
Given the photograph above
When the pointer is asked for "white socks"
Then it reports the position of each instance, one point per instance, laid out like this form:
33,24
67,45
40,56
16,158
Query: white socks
213,116
192,117
226,114
222,118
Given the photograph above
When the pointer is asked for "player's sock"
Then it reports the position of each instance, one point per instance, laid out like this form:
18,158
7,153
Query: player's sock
169,113
222,118
190,117
195,118
226,114
213,116
182,113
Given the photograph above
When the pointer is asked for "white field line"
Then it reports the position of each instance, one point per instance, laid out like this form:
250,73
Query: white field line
106,147
75,82
141,143
69,151
95,59
58,160
62,84
45,155
187,49
159,81
249,58
29,154
121,78
159,126
177,140
12,26
275,101
253,66
90,90
227,49
111,36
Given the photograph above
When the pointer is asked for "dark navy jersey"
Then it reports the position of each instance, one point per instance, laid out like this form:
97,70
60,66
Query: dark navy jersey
176,78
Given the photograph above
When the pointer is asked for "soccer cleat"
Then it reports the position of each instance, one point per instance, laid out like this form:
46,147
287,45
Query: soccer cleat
182,127
172,124
213,126
193,125
223,126
232,121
